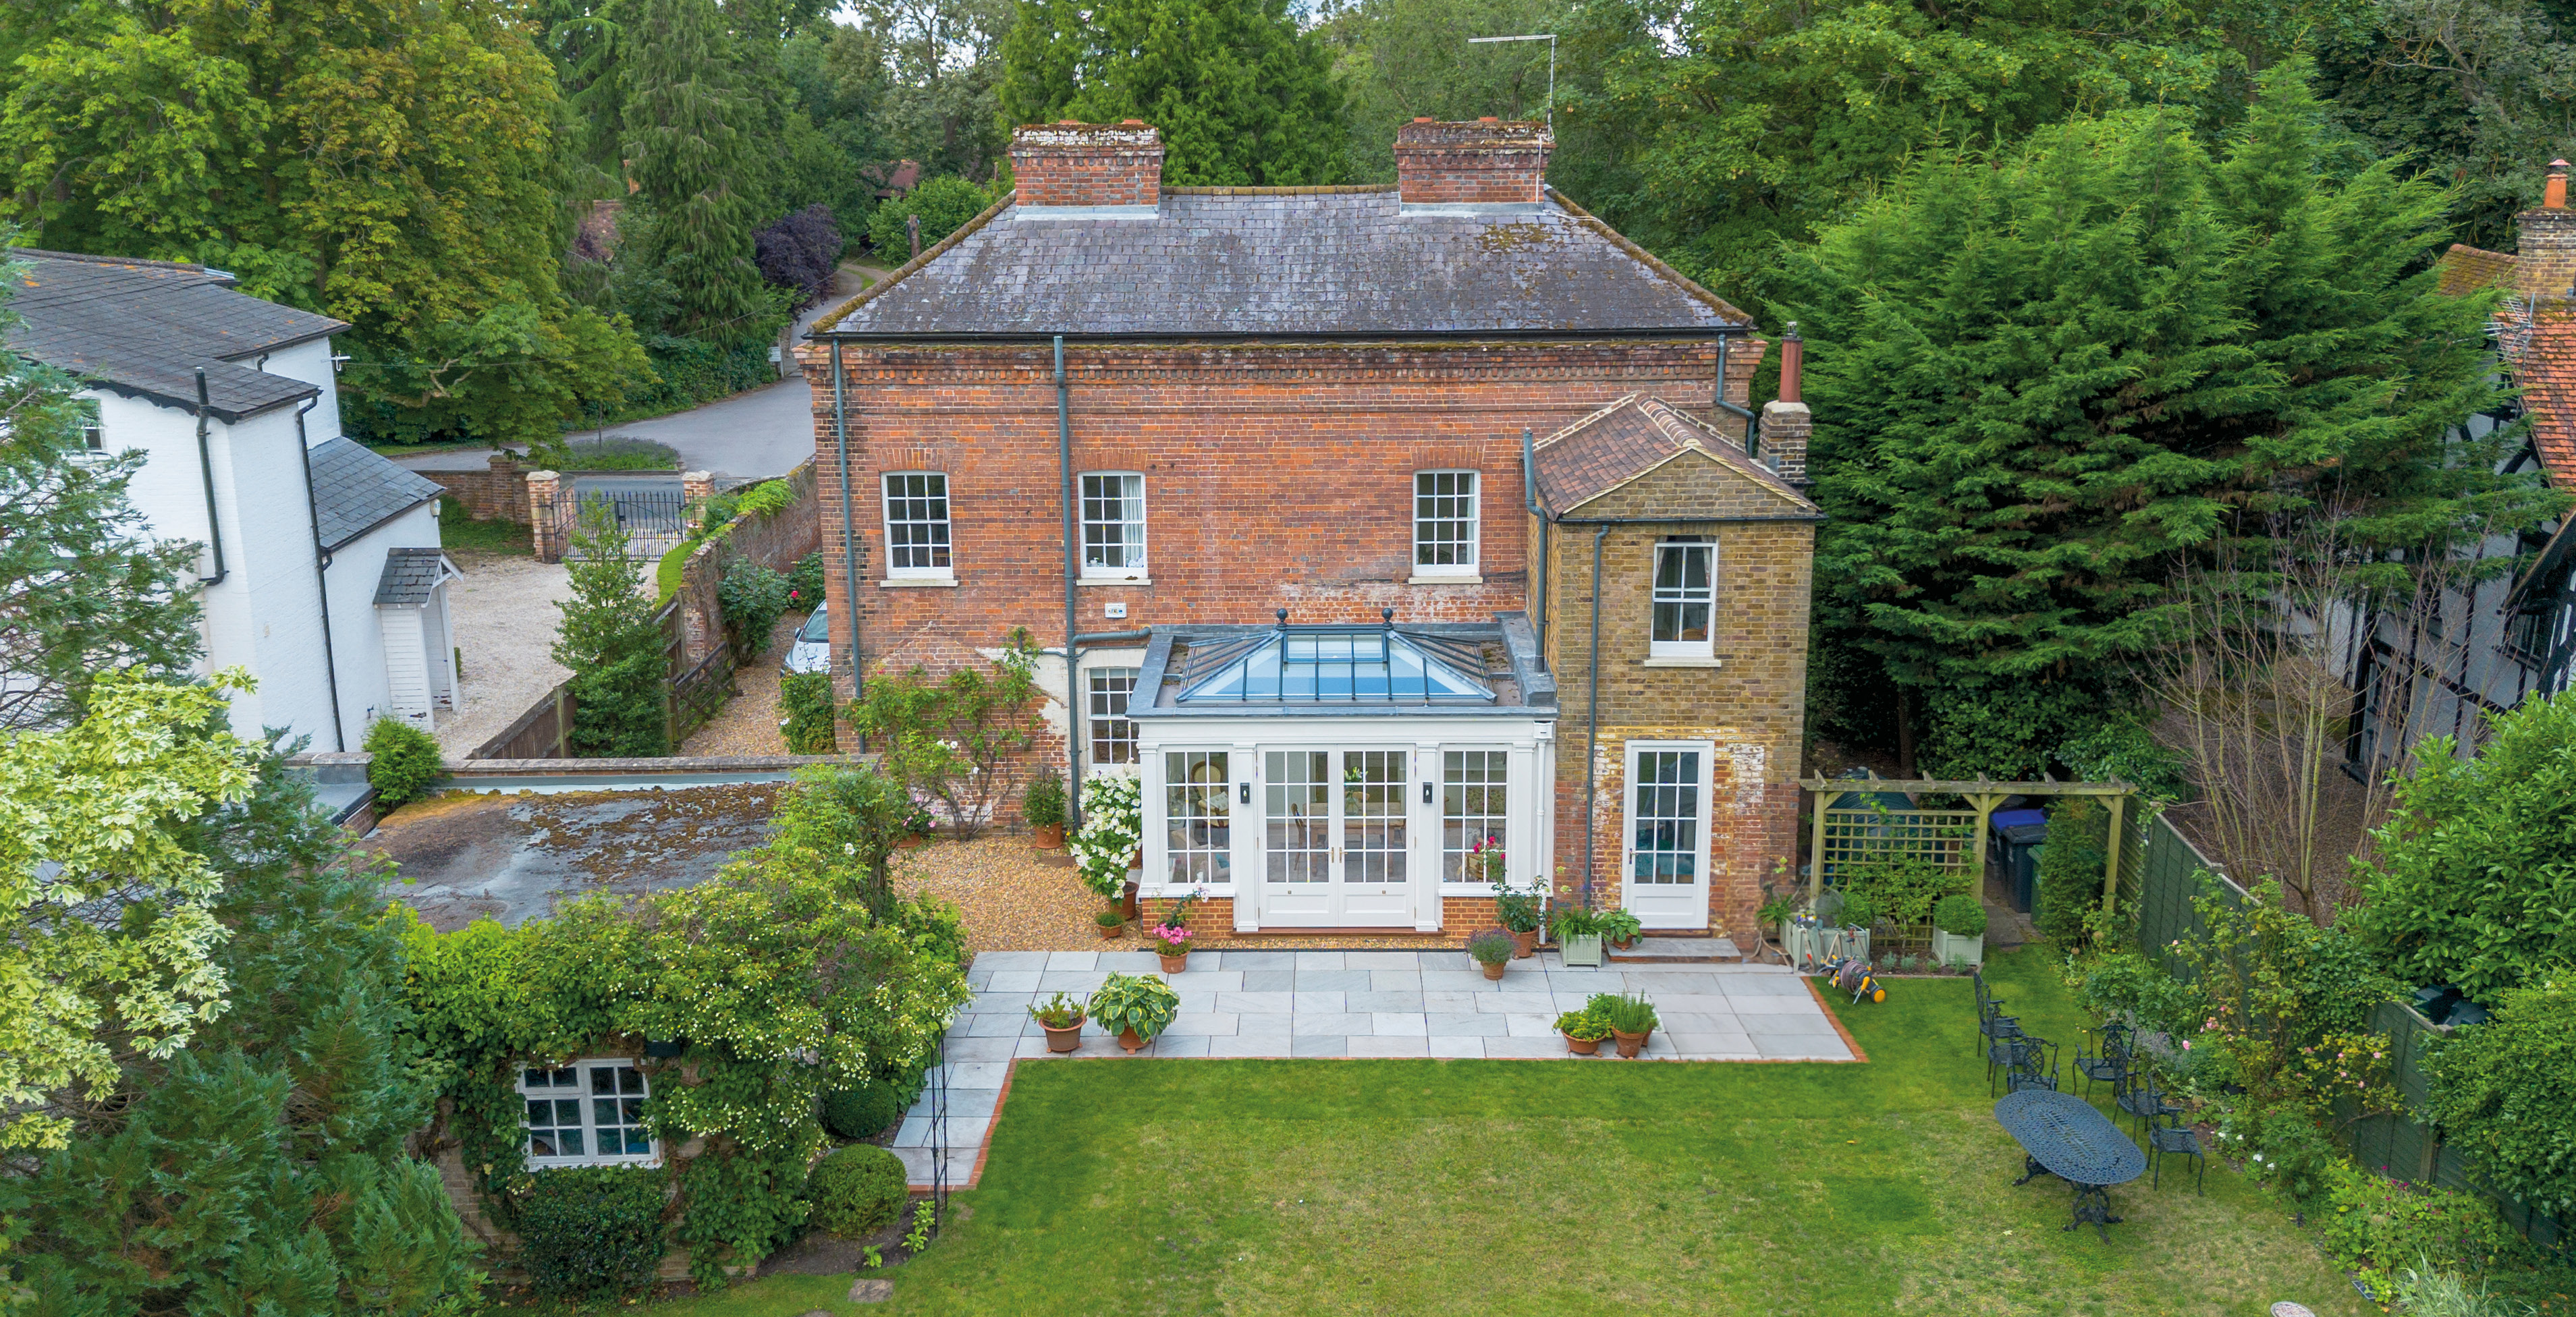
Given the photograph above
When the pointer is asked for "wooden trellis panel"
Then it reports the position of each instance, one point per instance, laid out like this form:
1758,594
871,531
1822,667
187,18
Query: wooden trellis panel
1947,837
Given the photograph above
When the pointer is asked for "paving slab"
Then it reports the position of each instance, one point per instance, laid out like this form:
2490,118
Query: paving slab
1390,1048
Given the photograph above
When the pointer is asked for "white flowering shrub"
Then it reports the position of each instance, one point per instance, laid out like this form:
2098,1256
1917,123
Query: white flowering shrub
1113,826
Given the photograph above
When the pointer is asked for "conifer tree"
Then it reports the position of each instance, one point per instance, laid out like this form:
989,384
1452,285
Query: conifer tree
610,643
1242,96
262,1168
690,150
2044,374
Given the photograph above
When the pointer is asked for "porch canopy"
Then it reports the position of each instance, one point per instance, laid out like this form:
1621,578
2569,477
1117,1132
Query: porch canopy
1364,761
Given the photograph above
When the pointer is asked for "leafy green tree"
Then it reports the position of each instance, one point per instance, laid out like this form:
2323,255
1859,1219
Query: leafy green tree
1242,94
691,151
1408,59
383,161
938,83
2504,1092
262,1167
2473,880
83,588
950,738
93,818
609,641
2043,374
944,205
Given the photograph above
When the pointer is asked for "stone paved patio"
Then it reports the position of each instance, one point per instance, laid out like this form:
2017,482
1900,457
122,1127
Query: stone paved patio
1369,1004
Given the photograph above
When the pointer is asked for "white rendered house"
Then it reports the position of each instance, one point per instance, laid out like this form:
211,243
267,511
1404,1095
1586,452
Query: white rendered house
318,560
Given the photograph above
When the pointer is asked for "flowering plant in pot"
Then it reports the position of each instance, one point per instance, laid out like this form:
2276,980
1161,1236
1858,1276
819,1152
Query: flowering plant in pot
1631,1018
1583,1032
1061,1017
1521,917
1112,922
1172,943
1134,1008
1492,950
1622,928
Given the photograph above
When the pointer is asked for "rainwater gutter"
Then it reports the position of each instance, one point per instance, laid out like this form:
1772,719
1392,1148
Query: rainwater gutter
206,463
1072,642
321,575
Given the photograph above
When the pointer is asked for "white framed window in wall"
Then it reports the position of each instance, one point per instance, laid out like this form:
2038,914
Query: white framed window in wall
1113,526
587,1113
916,525
1113,738
1198,818
1685,598
1474,785
1444,523
93,431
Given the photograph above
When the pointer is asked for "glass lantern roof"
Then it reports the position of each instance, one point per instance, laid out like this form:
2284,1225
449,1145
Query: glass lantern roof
1333,665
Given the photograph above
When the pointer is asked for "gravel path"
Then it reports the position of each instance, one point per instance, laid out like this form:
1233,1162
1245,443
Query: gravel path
505,617
1013,900
748,722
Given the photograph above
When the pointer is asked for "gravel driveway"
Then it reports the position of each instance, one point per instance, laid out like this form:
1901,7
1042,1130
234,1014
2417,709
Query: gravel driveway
505,617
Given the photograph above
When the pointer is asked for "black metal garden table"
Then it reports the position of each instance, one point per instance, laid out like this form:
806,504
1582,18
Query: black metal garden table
2063,1135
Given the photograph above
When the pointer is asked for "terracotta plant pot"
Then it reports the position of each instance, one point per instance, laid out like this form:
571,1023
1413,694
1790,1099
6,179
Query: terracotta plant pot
1495,970
1524,946
1127,1038
1582,1046
1175,964
1127,904
1048,836
1116,930
1622,944
912,842
1631,1043
1065,1039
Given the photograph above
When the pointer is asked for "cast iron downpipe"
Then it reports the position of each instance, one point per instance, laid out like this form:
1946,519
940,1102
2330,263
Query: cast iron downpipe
1592,714
206,463
1529,497
321,576
849,529
1072,659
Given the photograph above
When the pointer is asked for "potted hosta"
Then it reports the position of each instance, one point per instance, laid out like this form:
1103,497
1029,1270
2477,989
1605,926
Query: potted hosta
1061,1017
1113,924
1578,934
1583,1032
1043,807
1621,928
1959,931
1632,1019
1134,1009
1492,950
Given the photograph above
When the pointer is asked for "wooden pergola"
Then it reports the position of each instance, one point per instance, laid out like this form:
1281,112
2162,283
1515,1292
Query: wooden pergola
1985,796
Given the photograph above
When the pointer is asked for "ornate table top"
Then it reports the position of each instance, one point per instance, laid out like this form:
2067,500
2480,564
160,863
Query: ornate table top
2064,1133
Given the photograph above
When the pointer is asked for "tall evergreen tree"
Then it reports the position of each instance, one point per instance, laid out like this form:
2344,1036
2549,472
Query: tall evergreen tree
2043,374
1242,95
262,1168
611,645
690,151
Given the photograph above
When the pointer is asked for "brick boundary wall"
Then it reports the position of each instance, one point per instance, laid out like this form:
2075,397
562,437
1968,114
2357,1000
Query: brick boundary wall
776,541
498,493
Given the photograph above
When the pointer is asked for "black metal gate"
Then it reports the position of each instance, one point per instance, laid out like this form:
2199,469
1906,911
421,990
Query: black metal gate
654,516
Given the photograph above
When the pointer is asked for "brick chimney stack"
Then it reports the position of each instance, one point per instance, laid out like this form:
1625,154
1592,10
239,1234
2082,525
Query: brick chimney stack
1785,423
1088,164
2547,250
1488,162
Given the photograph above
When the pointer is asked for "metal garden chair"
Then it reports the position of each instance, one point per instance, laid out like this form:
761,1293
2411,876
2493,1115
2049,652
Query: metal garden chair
2174,1137
2028,1061
2111,1064
2146,1102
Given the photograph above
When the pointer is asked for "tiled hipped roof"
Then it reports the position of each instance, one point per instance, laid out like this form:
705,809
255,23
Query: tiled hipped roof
1627,439
142,328
1289,262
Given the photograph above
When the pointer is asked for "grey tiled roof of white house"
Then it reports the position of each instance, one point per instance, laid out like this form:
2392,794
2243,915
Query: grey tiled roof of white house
1286,262
142,328
409,576
355,489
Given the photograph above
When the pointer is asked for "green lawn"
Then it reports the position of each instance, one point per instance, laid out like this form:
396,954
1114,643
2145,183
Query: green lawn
1539,1187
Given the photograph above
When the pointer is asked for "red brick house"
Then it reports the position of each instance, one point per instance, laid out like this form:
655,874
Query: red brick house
1261,457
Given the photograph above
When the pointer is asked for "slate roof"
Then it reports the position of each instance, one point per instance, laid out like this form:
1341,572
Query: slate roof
142,328
410,574
355,489
1627,439
1285,262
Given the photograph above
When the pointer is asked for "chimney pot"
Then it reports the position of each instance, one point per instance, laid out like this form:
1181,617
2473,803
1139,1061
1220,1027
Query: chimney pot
1486,162
1488,119
1070,163
2554,195
1793,362
1422,118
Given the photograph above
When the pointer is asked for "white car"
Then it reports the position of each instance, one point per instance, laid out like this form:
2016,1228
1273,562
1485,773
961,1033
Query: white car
812,649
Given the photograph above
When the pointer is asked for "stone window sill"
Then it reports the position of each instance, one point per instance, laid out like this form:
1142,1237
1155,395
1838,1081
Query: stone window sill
918,583
1444,580
1114,580
1680,662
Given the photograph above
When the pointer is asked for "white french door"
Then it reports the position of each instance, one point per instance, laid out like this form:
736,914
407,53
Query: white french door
1665,869
1335,841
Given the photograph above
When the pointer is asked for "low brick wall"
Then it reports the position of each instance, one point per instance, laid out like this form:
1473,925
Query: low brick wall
776,541
499,493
